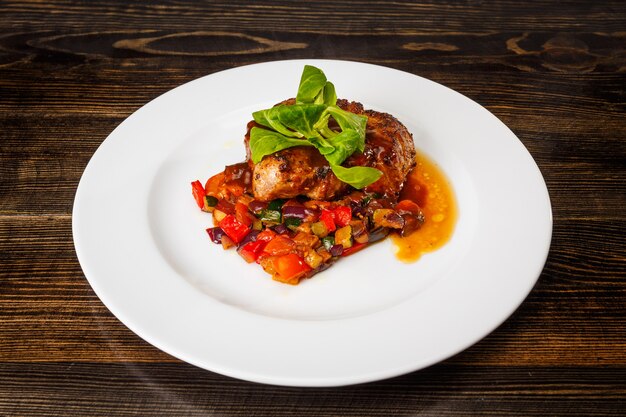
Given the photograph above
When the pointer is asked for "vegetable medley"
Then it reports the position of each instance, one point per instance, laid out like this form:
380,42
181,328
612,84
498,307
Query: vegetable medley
296,238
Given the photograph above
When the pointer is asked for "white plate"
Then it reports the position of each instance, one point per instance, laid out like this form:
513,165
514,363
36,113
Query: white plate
141,242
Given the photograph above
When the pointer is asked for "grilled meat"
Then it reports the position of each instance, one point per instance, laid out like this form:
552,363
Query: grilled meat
303,171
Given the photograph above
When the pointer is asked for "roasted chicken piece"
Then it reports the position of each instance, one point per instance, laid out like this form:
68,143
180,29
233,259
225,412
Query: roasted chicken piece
303,171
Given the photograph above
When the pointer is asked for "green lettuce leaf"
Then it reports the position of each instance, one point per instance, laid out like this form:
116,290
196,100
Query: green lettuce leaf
330,95
345,143
350,121
312,82
307,124
300,117
265,142
358,177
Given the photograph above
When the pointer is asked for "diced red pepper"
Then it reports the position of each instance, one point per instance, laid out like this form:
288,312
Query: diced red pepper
243,215
354,248
251,250
328,219
289,268
343,215
225,207
233,228
280,245
266,235
198,193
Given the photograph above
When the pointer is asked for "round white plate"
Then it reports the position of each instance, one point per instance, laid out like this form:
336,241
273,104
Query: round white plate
141,239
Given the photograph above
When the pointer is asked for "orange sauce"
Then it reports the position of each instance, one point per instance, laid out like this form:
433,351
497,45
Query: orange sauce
427,186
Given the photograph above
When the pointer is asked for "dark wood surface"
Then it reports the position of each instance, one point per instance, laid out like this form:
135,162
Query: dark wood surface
554,72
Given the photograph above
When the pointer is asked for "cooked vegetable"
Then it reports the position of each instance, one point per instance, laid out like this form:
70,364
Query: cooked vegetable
328,242
198,193
290,212
280,229
250,237
388,218
209,202
343,237
218,215
257,206
266,235
320,229
213,184
280,245
289,268
227,242
342,215
276,204
243,215
233,228
299,212
313,259
336,250
215,234
251,250
225,206
292,222
328,219
295,238
355,248
270,216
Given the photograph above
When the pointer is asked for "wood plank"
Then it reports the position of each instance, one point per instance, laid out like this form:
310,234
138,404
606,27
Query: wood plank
377,17
554,72
182,390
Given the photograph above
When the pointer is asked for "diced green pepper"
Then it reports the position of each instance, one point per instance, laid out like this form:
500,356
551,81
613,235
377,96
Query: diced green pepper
270,216
292,222
276,204
210,201
328,242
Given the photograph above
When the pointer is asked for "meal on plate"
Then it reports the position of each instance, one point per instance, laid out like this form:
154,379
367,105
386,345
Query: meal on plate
322,180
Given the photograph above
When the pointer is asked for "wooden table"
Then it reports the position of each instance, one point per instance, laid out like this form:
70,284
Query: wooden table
554,72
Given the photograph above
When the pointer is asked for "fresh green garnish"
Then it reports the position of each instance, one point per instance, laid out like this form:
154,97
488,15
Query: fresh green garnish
306,123
293,222
315,88
276,204
269,216
358,177
265,142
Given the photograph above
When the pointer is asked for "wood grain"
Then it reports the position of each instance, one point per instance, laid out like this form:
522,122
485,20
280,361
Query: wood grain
553,72
166,389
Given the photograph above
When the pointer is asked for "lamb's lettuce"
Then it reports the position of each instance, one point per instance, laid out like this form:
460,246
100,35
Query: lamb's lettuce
307,123
265,142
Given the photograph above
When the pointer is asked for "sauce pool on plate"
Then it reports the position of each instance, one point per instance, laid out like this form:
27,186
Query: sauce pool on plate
427,186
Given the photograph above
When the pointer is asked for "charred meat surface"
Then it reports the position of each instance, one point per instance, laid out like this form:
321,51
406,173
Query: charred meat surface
303,171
